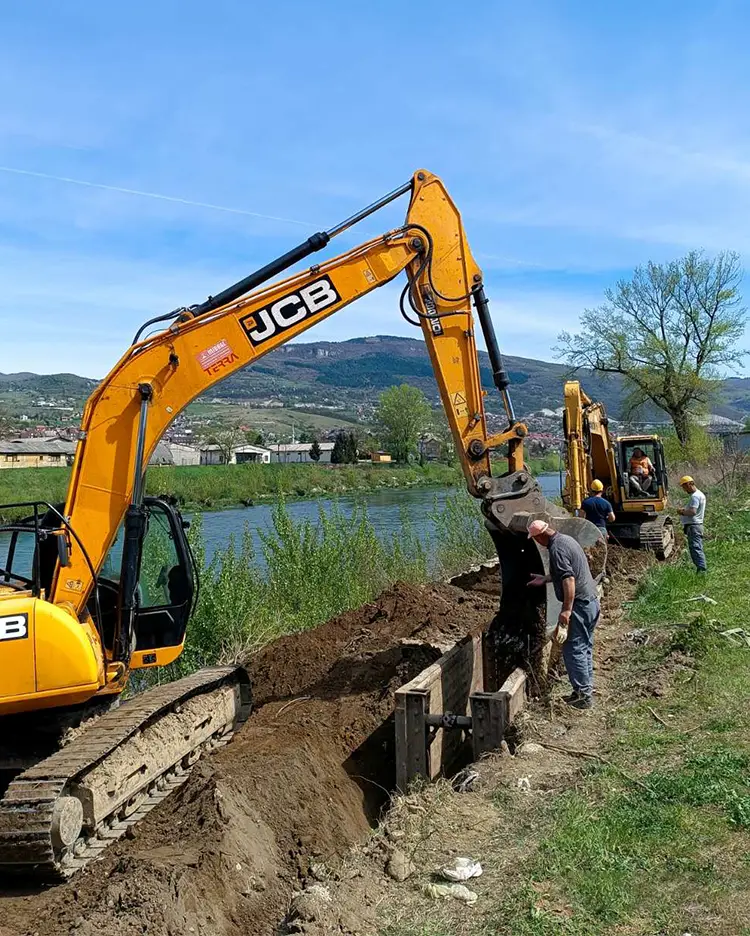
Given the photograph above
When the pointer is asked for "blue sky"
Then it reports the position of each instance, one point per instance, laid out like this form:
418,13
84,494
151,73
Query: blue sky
578,138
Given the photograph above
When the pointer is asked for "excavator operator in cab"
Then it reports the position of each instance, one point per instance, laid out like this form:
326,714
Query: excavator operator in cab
642,472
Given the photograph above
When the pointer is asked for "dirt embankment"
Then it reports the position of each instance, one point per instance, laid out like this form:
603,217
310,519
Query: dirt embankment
305,778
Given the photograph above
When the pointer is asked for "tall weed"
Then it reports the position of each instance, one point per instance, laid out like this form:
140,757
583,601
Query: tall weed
313,571
460,534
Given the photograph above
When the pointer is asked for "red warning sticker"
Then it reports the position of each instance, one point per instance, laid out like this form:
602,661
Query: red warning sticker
214,359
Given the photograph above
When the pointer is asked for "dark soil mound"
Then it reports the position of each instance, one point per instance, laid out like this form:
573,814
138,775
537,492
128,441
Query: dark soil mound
306,776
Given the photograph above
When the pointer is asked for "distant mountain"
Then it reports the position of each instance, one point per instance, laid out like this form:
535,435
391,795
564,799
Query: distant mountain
355,372
361,368
58,385
358,370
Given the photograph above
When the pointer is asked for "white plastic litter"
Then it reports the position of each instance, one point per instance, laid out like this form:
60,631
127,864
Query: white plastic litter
738,636
703,598
461,870
457,891
524,784
465,780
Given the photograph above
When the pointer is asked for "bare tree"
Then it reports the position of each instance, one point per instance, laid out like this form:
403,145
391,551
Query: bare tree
668,331
228,438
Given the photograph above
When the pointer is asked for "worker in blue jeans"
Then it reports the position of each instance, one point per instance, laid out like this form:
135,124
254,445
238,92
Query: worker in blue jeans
575,587
692,517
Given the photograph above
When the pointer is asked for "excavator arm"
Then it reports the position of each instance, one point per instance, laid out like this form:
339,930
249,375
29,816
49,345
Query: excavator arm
589,448
162,373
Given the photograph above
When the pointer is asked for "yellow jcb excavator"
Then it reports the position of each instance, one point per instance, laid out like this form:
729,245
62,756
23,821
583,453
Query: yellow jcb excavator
103,586
639,500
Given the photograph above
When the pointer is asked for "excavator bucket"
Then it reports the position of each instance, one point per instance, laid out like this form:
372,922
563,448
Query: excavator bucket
523,626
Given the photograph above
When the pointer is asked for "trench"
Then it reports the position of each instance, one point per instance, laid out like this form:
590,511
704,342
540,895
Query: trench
306,777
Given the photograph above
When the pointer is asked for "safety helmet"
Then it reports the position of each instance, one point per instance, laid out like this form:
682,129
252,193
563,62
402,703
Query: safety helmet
597,485
686,479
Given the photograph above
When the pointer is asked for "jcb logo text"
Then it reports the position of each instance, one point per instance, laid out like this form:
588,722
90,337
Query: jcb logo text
289,310
14,627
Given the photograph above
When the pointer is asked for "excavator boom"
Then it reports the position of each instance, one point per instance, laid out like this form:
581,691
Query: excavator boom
84,623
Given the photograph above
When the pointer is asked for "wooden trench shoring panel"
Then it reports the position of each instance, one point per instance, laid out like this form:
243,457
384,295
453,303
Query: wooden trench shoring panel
453,684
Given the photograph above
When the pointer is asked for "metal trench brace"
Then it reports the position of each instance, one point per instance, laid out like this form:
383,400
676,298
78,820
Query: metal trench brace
445,704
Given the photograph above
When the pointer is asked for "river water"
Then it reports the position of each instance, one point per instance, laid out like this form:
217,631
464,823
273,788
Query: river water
385,510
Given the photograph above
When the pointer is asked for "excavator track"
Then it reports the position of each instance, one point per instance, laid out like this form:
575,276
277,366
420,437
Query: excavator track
658,536
63,812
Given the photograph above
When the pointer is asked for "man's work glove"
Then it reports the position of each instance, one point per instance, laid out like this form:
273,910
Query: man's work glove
560,634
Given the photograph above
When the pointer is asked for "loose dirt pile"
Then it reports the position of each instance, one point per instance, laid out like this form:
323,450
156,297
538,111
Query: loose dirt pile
306,777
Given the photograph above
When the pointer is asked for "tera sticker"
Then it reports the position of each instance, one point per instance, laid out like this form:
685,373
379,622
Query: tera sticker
214,359
289,310
14,627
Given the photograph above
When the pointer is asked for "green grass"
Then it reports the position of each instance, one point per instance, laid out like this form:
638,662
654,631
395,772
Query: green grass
635,857
656,839
550,462
220,486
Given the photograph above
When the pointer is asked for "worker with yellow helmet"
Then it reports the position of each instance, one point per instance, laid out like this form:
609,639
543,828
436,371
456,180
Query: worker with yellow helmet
597,509
692,521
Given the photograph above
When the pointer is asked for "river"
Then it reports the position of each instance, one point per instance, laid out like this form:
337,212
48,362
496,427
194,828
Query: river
385,510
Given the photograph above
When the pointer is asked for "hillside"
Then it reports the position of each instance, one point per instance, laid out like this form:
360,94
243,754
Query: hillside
349,375
358,370
361,368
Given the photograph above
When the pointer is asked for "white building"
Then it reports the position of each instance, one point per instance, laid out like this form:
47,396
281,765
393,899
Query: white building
300,452
184,454
215,455
212,455
251,453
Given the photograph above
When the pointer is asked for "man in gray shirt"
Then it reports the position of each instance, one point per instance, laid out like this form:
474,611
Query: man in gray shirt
575,588
692,521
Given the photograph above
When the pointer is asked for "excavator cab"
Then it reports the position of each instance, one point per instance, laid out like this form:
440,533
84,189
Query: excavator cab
166,587
656,485
30,551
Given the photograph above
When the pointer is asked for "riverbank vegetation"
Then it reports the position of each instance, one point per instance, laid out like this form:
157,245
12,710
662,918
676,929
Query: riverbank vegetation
310,571
216,486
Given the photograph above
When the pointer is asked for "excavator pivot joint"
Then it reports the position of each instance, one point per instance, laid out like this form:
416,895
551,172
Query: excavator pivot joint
476,448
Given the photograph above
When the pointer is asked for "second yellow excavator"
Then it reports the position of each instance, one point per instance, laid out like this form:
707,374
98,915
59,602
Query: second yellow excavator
103,586
630,467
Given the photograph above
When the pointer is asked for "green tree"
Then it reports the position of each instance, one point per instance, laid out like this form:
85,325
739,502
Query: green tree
668,332
402,414
315,452
344,449
253,437
307,434
746,427
338,452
